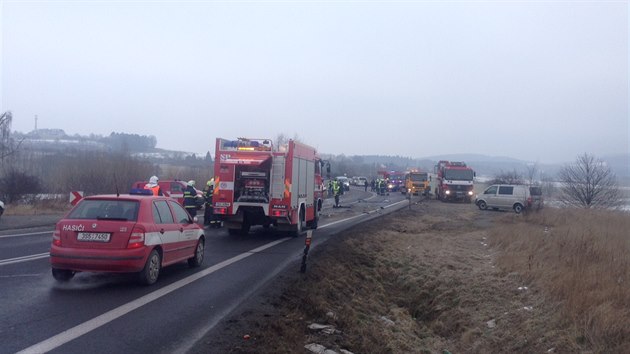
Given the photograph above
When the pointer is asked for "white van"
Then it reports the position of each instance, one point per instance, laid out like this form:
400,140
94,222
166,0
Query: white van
510,197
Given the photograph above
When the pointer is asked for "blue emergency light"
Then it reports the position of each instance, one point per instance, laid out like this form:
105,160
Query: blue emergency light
140,191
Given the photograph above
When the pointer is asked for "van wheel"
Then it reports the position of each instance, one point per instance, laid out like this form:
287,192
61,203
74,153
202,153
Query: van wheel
518,208
482,205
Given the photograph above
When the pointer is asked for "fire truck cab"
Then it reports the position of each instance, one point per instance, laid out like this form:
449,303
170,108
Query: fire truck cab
454,181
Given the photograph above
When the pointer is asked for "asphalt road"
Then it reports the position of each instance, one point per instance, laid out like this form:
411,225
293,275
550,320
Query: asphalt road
111,313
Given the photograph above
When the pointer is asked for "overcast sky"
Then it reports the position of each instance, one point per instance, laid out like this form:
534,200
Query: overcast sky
535,80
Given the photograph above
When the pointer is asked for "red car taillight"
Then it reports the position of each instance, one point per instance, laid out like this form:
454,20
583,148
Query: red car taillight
136,240
56,238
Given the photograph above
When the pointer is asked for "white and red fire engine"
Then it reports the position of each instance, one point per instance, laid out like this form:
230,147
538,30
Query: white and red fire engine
454,181
257,183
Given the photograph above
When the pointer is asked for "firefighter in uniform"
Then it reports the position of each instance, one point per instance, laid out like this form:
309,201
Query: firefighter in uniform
190,198
153,186
208,214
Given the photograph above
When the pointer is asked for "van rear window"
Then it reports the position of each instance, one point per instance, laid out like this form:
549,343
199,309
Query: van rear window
535,190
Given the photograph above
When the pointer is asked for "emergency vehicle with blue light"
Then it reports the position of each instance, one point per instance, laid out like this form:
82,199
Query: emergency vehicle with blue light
125,233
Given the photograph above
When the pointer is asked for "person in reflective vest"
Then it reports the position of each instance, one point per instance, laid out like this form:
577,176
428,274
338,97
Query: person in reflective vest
153,186
337,192
190,198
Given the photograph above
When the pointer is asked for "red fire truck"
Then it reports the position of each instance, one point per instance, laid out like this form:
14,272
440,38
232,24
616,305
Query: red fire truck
454,181
257,183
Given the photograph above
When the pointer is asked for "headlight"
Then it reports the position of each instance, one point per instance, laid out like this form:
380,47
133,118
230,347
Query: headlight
448,192
470,193
391,186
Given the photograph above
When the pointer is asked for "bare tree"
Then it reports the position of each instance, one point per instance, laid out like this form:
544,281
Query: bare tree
510,177
589,183
532,170
282,139
7,145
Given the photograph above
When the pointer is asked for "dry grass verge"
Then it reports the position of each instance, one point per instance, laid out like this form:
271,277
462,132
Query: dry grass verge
420,281
40,207
581,258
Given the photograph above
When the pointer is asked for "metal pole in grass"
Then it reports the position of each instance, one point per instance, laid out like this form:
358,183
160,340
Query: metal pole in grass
307,246
409,198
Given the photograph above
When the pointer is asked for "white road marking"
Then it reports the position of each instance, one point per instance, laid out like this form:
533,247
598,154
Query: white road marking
28,234
31,257
88,326
20,275
101,320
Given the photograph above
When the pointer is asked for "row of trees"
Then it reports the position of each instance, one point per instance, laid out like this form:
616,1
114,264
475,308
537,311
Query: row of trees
588,182
26,172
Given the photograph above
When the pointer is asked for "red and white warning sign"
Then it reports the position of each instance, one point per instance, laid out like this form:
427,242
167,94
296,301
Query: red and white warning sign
75,196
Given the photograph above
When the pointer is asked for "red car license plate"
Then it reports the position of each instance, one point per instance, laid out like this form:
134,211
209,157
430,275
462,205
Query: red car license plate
93,236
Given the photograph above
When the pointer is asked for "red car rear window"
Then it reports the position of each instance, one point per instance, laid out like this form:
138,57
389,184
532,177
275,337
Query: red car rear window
104,209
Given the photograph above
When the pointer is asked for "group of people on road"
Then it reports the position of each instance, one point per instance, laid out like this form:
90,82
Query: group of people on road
191,200
379,186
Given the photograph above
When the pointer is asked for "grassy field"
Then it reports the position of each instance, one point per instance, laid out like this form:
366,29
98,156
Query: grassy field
581,259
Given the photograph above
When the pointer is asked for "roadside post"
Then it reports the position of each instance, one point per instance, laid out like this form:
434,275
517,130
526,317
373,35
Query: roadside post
307,246
409,198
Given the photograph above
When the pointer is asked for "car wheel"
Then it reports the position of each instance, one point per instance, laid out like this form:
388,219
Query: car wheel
518,208
149,274
482,205
197,259
62,275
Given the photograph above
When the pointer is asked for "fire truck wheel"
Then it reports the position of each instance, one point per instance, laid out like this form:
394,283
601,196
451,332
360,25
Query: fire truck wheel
313,223
234,232
298,226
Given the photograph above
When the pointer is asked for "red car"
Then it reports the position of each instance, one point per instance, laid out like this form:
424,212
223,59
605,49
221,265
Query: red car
171,188
126,233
